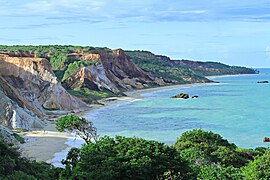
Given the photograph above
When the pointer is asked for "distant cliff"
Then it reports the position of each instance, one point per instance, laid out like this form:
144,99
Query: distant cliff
184,71
114,71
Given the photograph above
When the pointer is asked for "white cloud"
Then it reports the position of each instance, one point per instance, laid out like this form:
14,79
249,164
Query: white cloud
225,52
194,12
267,52
63,6
141,10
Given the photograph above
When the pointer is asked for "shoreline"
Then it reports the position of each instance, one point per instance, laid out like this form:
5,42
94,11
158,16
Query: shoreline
132,95
41,145
232,75
53,146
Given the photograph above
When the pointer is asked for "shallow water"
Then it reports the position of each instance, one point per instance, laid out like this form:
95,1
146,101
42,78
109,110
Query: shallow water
237,108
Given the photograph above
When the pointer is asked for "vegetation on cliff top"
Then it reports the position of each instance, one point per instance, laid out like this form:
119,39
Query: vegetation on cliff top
184,71
160,68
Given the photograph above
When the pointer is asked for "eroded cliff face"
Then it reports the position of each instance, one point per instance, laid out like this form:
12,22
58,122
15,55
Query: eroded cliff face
36,82
114,71
15,112
28,90
93,77
7,136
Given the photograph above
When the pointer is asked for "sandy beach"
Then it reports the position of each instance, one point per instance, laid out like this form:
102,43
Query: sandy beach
41,145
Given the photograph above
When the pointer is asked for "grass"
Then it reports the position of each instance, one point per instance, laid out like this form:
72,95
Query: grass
90,95
19,138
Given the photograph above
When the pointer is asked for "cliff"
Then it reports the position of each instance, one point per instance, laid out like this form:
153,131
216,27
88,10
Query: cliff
184,71
36,82
162,66
29,90
113,70
15,112
124,73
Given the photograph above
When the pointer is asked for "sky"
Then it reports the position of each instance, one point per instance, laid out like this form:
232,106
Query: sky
235,32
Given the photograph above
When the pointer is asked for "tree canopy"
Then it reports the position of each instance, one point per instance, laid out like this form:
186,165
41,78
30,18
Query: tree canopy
14,167
191,157
128,158
80,126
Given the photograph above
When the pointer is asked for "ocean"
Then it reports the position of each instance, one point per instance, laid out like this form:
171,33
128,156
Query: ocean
237,108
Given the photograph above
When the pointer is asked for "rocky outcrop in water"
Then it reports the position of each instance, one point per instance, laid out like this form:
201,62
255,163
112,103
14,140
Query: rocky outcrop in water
263,82
181,96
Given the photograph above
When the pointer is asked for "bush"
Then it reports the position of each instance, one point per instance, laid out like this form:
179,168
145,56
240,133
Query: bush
259,168
207,147
219,172
128,158
13,166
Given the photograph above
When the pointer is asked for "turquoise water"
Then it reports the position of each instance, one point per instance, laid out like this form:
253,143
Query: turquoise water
237,108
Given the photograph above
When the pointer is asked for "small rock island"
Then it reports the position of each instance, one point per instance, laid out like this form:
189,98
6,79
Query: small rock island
263,82
181,95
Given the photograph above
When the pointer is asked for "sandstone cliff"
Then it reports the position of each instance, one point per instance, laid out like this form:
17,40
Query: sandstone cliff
183,71
36,82
15,112
28,90
93,77
114,71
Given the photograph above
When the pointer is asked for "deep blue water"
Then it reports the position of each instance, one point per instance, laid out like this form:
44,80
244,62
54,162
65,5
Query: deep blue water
237,108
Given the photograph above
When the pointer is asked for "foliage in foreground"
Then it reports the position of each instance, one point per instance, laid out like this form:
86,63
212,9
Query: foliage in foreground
197,154
13,166
259,168
212,156
126,158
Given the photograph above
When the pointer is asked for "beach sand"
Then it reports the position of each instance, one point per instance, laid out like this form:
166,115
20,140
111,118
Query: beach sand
41,145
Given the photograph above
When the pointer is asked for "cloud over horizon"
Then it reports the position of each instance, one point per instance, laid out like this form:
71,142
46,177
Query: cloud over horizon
150,11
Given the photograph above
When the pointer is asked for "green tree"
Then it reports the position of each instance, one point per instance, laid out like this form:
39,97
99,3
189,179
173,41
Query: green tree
206,141
259,168
9,158
219,172
80,126
57,61
207,147
228,157
13,166
128,158
71,69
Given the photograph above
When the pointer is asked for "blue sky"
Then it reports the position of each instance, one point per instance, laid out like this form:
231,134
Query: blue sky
229,31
